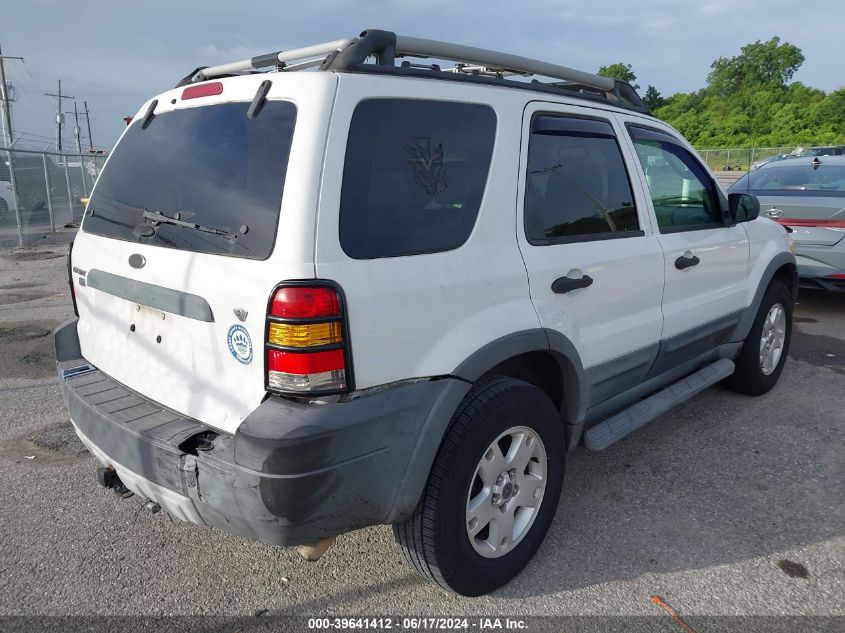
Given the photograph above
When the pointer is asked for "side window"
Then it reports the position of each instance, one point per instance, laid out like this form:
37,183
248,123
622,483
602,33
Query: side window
414,176
576,185
682,192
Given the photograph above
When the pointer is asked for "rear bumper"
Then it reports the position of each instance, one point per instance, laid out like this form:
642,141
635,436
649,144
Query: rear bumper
291,474
819,278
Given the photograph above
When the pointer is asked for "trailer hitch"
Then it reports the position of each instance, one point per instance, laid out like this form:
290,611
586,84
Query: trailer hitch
107,478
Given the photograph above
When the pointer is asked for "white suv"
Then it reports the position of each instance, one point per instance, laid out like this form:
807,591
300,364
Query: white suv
389,292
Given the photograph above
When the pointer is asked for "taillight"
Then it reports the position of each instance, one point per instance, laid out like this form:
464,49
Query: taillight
813,223
302,302
306,346
70,278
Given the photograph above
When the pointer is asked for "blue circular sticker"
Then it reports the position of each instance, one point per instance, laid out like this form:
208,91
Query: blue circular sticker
240,344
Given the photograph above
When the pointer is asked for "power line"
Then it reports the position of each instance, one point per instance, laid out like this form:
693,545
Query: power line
38,136
33,99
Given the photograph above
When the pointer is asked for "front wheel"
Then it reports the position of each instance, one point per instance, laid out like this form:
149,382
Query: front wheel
492,492
761,360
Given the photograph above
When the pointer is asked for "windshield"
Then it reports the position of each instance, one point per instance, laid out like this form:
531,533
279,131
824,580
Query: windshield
209,166
818,180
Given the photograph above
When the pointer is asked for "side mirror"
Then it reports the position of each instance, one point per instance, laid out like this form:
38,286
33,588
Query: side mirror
743,207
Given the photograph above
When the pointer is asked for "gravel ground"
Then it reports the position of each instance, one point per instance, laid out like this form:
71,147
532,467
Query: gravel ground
726,506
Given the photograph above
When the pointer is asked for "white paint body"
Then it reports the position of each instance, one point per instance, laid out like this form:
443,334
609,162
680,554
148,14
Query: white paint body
413,316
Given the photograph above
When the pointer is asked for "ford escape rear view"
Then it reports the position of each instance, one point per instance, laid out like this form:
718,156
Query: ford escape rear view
329,288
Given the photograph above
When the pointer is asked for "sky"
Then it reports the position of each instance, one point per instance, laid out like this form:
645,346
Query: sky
117,54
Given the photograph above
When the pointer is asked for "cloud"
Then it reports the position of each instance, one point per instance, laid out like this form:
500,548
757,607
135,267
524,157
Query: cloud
118,54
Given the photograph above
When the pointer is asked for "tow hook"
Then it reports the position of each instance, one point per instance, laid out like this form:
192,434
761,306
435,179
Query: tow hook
107,478
314,551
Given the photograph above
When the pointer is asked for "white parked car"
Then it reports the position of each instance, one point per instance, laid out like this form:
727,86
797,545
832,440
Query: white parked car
7,198
386,292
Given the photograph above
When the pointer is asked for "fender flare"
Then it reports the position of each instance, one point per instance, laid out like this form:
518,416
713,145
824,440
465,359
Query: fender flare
576,385
778,261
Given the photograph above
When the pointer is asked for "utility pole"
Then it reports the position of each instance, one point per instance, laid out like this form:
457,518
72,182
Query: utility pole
76,128
9,138
88,123
60,115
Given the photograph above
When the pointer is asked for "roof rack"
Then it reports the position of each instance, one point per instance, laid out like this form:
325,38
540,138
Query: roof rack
471,63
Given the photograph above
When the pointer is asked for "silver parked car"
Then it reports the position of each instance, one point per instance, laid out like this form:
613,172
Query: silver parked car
770,159
806,194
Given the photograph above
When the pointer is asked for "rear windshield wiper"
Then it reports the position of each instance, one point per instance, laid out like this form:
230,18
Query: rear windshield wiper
156,217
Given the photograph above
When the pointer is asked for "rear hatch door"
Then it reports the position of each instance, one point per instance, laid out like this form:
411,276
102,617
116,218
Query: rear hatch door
196,217
805,194
815,220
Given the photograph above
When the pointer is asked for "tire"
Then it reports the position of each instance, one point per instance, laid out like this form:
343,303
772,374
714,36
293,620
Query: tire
751,377
435,540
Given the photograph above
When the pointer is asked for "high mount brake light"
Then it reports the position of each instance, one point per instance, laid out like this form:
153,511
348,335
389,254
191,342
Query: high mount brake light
202,90
306,346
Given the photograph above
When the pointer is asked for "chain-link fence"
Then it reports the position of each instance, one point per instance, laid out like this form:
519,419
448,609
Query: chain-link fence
740,159
42,191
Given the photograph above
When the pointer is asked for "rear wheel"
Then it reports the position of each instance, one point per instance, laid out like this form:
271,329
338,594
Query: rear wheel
761,360
492,492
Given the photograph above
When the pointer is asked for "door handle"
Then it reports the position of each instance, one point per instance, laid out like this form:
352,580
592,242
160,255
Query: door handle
685,262
562,285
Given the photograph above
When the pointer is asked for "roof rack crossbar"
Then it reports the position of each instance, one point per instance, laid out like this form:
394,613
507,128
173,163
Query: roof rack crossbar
420,47
469,69
308,63
270,59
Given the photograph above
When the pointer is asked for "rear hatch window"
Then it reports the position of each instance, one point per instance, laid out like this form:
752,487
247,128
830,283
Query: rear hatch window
787,180
219,174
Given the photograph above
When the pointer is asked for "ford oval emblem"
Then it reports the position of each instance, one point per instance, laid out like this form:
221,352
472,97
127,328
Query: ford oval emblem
137,261
774,212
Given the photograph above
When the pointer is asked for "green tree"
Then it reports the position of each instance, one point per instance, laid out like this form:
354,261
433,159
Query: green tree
829,113
620,71
652,98
751,101
759,63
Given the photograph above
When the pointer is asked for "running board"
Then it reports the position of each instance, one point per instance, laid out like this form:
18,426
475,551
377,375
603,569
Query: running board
622,424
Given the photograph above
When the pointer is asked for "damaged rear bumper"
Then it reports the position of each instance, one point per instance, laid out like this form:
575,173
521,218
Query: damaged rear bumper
292,473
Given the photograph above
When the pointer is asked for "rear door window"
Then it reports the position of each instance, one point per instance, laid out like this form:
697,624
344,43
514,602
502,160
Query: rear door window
209,166
414,176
